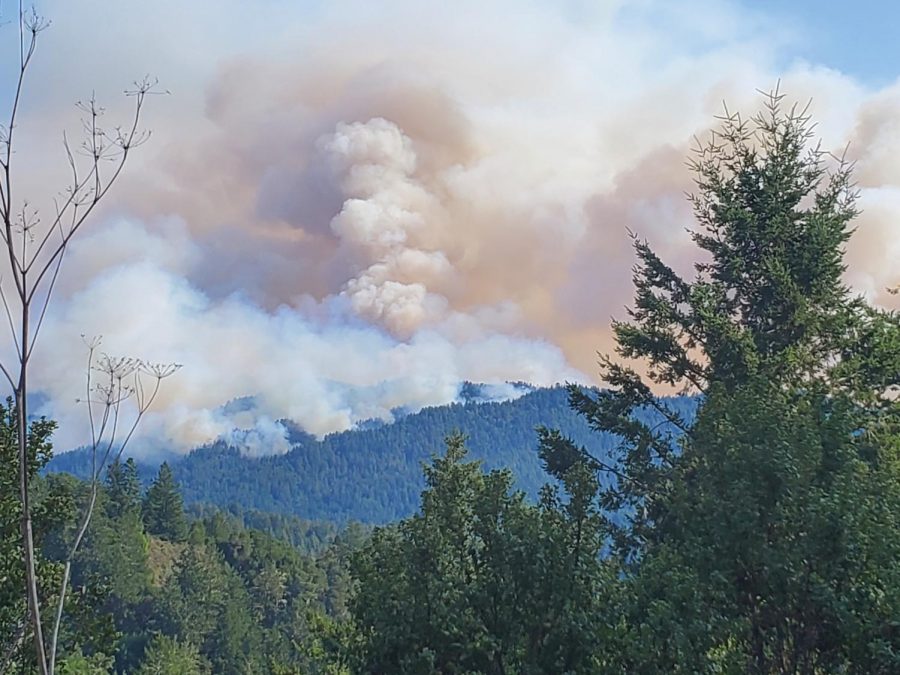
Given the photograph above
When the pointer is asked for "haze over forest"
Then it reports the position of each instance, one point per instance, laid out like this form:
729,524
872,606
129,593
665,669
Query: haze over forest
351,207
525,337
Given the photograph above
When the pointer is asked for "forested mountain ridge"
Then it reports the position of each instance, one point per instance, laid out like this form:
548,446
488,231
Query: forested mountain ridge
372,474
752,529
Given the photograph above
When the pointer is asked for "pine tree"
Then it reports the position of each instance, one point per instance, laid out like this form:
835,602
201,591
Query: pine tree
763,535
123,488
207,603
167,656
163,508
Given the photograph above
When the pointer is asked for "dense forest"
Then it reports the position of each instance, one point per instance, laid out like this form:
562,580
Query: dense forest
158,590
753,528
373,474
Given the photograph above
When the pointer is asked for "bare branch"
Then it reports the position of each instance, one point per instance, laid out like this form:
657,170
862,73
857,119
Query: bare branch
114,393
7,374
35,257
45,304
124,142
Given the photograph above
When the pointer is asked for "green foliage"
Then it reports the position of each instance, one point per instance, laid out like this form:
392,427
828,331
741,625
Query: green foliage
123,488
116,549
762,536
751,527
206,604
45,514
249,602
308,536
163,508
330,646
373,474
230,599
481,581
79,664
53,504
167,656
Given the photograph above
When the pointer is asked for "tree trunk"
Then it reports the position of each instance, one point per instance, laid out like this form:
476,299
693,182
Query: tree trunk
31,588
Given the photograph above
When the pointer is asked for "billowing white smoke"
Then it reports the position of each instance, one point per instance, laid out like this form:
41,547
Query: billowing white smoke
323,368
384,211
379,201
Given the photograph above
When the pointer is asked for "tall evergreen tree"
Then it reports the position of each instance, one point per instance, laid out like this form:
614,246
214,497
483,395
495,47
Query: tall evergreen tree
123,488
763,535
167,656
206,603
164,509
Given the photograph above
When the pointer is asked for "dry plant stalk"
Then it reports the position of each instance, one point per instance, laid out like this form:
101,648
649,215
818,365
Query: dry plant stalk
35,250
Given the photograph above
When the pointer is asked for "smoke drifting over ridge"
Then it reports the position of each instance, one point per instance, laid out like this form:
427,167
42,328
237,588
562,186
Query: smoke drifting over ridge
355,212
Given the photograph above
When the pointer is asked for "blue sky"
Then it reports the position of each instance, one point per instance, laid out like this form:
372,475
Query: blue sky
858,38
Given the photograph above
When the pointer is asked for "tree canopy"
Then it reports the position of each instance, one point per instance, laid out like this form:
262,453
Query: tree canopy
778,504
164,508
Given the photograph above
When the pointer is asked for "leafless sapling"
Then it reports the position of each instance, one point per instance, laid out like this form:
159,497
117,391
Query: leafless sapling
35,249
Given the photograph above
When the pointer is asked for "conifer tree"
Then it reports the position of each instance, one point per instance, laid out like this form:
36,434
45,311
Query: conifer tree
163,507
167,656
116,547
763,535
123,488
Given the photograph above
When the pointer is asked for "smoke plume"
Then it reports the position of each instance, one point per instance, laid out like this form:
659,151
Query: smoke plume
347,209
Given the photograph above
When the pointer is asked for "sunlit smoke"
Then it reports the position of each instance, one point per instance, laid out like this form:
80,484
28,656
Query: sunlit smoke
355,211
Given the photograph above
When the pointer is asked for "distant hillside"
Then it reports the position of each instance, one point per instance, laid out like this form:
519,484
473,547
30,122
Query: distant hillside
373,474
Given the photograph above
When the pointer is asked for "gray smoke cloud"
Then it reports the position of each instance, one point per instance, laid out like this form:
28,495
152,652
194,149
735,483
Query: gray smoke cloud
347,209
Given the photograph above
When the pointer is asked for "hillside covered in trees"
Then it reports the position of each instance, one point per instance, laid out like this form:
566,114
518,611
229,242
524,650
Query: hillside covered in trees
374,474
749,525
156,590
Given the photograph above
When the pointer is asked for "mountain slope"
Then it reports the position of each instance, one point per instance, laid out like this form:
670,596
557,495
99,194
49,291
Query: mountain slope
373,474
